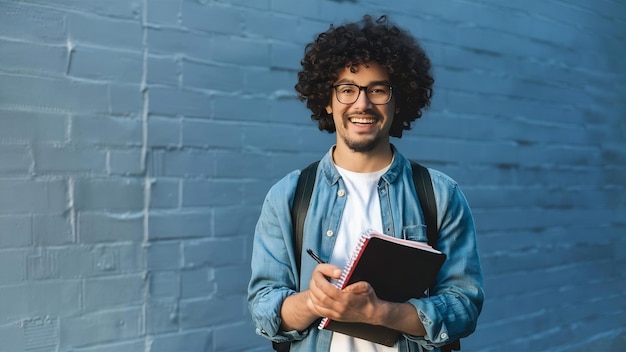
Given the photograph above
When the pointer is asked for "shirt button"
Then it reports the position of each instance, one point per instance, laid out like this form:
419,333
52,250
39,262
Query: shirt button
341,193
443,335
329,233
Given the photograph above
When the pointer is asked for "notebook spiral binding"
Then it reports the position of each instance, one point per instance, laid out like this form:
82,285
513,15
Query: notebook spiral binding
348,268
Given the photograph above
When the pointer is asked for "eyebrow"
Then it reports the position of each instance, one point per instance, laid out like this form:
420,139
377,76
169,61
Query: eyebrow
349,81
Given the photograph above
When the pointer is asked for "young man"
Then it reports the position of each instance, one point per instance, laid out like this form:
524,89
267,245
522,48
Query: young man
365,81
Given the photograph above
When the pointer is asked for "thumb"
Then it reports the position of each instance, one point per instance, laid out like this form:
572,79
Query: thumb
358,287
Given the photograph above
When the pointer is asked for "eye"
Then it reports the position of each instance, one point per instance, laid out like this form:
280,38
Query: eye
379,89
346,89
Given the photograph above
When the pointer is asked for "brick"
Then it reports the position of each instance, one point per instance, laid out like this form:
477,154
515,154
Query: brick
120,194
259,4
17,231
165,193
170,41
54,94
128,346
164,284
241,108
52,229
13,266
96,31
164,12
162,317
97,130
12,338
230,164
16,160
125,99
164,132
163,70
231,280
213,252
106,64
109,292
289,110
240,51
200,313
184,341
265,81
28,126
99,260
32,23
57,298
211,17
196,283
211,134
34,196
53,159
211,193
33,58
172,102
271,25
274,138
230,337
208,76
111,326
99,227
112,8
163,256
53,298
308,9
15,303
183,163
126,162
248,217
286,56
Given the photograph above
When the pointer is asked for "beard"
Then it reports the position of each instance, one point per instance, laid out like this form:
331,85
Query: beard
363,146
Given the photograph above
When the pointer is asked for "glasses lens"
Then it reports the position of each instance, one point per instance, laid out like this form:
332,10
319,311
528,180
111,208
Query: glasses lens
377,94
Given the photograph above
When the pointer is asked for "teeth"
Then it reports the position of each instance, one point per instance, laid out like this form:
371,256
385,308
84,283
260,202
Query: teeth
361,120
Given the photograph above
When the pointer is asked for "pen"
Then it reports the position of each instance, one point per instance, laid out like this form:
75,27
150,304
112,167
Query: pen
314,256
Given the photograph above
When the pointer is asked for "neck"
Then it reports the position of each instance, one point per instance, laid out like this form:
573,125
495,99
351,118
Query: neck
371,161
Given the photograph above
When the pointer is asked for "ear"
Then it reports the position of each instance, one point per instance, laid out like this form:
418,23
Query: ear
329,109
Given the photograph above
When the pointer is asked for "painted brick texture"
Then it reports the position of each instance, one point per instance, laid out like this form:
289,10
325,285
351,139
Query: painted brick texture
138,139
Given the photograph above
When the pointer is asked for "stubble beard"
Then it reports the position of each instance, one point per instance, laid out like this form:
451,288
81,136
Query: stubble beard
363,146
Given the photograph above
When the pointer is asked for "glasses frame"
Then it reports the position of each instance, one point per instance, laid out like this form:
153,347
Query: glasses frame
367,94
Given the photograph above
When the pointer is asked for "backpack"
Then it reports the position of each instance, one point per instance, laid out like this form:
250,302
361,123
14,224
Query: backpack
302,198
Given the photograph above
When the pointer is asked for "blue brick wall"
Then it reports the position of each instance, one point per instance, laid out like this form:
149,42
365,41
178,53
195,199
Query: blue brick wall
138,139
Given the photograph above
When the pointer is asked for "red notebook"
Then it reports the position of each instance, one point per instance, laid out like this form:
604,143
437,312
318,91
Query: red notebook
397,269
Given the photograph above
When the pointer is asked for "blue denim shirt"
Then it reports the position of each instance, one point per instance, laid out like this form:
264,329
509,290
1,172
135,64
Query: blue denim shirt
449,313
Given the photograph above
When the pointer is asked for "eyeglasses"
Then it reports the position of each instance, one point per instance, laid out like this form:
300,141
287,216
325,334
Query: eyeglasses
377,94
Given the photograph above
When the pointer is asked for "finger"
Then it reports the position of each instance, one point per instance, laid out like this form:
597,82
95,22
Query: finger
329,270
360,287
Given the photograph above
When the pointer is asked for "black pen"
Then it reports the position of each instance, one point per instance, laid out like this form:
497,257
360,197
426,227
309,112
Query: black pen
315,256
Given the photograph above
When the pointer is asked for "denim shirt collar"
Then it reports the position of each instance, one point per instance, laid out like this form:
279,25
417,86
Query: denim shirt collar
331,175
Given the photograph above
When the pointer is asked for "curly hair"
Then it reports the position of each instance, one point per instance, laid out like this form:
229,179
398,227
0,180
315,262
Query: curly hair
354,44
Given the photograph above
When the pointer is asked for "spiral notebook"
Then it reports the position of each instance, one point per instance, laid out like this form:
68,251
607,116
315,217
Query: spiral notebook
397,269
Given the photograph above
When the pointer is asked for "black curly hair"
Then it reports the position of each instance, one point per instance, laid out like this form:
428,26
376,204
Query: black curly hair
358,43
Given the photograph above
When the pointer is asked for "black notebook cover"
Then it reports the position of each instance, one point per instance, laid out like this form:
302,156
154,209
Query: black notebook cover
397,270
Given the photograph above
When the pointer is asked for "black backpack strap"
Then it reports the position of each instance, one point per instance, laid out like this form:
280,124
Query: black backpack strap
426,196
300,206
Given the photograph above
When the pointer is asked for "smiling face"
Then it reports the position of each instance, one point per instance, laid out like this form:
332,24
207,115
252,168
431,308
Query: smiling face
362,127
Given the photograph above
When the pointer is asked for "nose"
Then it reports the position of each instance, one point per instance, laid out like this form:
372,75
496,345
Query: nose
363,100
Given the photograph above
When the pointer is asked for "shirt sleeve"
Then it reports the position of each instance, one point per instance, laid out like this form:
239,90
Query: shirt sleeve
273,274
451,311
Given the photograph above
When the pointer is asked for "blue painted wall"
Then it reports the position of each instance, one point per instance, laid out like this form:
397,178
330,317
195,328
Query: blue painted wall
139,137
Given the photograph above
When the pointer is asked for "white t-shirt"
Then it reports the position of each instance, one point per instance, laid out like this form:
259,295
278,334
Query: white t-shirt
362,212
